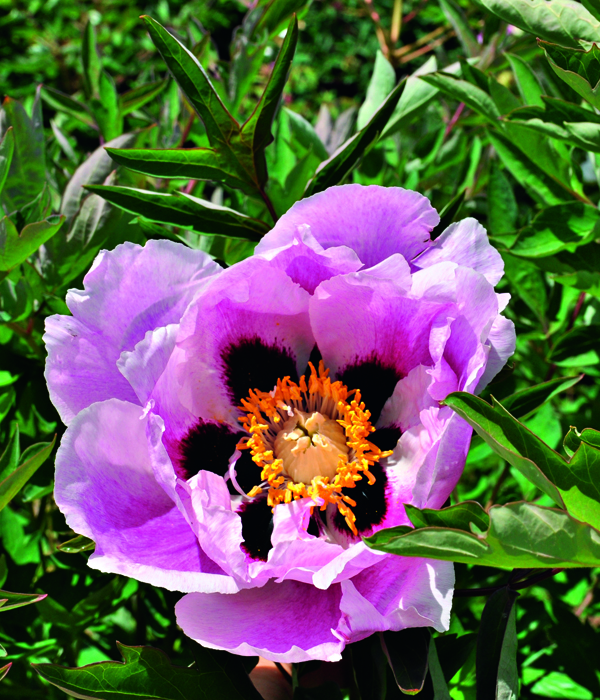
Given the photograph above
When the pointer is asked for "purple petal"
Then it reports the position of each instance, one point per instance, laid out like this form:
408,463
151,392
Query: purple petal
465,243
307,263
397,593
502,341
284,622
128,292
106,489
374,221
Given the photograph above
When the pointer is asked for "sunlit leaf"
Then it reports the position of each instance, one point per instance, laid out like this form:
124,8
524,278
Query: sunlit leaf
580,69
14,482
381,84
16,247
9,601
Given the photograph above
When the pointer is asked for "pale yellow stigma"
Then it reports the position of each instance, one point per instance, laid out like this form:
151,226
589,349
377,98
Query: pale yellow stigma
309,445
310,441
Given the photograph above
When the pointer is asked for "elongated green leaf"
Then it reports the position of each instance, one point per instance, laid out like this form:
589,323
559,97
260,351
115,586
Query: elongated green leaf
438,681
520,535
527,82
335,169
147,674
304,132
92,66
562,21
4,670
193,163
381,84
9,460
256,131
542,187
276,12
15,248
577,347
105,108
459,23
195,83
593,6
15,481
449,214
139,96
576,483
502,204
9,601
407,652
523,402
76,545
461,516
562,227
496,660
27,173
7,147
580,69
463,91
64,103
183,210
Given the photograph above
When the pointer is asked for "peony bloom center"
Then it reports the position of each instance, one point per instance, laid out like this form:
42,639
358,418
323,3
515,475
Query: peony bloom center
310,441
309,445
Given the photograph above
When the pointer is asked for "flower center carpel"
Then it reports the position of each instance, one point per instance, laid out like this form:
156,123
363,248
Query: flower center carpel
310,440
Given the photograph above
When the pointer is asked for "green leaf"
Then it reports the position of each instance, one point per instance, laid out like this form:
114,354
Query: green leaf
502,205
407,652
139,96
335,169
304,132
147,674
76,545
183,210
14,482
195,83
461,516
4,670
256,131
64,103
527,82
579,68
9,460
414,98
15,248
449,214
105,108
27,173
557,228
10,601
520,535
438,681
7,147
541,187
561,21
474,97
524,402
192,163
458,20
381,84
496,659
92,66
577,347
276,12
593,6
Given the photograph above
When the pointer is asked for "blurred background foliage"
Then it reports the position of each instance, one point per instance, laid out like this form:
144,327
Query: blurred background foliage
491,138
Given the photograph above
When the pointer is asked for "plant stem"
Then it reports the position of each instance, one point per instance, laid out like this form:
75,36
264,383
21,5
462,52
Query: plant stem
269,204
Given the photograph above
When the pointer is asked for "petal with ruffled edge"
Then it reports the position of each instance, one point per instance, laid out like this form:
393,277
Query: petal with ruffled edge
375,222
397,593
307,263
465,243
128,291
285,622
107,491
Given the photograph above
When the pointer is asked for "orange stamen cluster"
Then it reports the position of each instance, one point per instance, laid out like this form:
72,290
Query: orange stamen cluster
265,412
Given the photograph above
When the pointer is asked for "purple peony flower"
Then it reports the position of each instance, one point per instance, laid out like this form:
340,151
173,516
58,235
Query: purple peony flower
233,433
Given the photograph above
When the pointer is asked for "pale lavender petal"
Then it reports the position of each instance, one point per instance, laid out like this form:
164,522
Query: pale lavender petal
284,622
128,291
106,489
502,341
465,243
397,593
374,221
307,263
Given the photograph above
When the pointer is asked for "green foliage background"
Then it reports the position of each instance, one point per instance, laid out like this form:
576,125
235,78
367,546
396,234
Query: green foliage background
503,128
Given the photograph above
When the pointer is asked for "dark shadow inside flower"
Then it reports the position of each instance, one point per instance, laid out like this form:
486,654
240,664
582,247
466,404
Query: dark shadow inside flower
371,505
257,528
376,381
207,445
250,363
